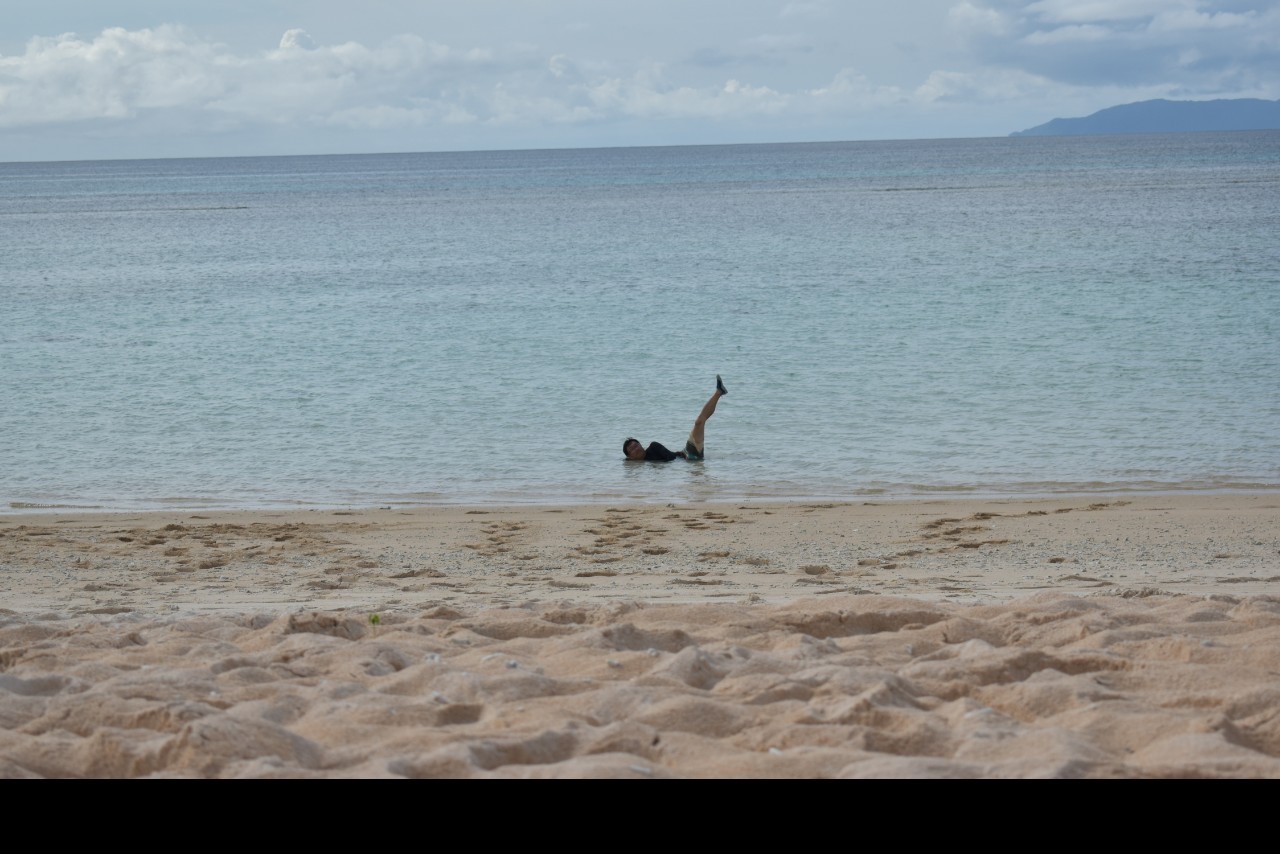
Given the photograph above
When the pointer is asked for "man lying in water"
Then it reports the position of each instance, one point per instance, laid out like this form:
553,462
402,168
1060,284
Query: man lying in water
693,446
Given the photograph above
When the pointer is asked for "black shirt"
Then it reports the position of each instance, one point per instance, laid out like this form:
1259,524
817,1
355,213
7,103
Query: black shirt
658,453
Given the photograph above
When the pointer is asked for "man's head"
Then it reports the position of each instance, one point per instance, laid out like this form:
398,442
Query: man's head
632,449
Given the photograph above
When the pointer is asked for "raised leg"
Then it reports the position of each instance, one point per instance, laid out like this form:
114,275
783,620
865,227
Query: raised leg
698,434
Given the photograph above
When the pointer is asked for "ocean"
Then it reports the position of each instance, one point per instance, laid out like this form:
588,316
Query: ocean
984,317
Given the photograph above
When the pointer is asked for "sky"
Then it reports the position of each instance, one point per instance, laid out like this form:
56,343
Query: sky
94,80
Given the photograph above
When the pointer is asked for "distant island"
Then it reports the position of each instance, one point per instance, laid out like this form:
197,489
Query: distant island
1161,116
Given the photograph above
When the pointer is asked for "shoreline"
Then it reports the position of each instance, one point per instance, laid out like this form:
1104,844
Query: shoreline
388,558
29,508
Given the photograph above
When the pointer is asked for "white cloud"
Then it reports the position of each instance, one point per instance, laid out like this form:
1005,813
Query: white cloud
647,96
1136,43
299,39
1094,11
977,20
561,66
1189,20
855,88
113,76
1066,35
405,82
119,74
726,70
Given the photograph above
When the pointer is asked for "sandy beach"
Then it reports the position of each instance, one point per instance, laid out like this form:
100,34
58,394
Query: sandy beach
1130,636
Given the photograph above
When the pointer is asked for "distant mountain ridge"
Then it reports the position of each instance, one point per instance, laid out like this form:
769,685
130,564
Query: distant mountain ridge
1161,116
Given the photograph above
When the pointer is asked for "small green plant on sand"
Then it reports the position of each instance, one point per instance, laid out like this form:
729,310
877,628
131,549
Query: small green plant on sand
375,620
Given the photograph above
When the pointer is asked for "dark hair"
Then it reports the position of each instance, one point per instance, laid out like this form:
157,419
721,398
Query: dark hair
628,441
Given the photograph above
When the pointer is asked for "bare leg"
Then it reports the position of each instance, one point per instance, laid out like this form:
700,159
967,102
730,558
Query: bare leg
696,436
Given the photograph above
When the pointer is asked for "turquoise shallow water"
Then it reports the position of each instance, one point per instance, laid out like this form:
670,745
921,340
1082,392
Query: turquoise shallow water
995,316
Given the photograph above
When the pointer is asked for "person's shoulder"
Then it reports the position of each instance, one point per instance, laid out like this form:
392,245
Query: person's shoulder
659,453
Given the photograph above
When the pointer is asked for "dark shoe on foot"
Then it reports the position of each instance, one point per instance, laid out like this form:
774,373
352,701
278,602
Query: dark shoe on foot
720,385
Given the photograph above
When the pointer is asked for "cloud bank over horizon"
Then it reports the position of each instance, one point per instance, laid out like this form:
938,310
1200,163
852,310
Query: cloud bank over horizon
601,76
